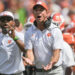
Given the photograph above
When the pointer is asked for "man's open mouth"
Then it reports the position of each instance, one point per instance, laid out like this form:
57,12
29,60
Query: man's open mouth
38,16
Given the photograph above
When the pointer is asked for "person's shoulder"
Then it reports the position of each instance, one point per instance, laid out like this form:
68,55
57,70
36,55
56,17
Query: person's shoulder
30,30
53,26
66,45
55,30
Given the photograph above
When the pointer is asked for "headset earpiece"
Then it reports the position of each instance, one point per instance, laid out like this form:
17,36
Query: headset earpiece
47,23
35,23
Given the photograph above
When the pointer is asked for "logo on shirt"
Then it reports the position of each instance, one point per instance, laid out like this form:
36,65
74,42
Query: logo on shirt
32,35
48,34
9,41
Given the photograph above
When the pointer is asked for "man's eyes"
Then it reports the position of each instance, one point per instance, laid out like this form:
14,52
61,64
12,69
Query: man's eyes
40,10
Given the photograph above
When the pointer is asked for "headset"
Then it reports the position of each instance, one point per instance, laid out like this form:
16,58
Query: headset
47,23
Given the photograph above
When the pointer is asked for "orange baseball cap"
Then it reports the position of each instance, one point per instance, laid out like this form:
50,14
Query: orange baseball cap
41,4
69,38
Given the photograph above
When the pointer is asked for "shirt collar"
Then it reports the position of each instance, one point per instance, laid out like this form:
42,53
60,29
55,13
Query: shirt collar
34,27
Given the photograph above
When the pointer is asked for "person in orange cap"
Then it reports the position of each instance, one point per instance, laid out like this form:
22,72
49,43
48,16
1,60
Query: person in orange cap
43,45
41,4
69,38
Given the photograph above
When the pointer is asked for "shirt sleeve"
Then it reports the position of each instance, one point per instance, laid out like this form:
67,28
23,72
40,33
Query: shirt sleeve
27,41
57,38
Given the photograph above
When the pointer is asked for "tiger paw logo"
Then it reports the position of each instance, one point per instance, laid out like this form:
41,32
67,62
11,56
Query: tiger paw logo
48,34
9,41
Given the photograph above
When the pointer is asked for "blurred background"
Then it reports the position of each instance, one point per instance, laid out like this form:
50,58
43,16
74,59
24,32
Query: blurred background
22,9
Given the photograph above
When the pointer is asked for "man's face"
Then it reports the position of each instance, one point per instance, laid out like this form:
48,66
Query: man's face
40,14
4,24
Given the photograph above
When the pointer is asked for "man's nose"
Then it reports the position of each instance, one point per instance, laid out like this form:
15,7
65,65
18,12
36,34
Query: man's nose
38,12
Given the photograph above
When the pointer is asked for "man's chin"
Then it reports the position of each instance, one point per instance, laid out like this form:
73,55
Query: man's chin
39,20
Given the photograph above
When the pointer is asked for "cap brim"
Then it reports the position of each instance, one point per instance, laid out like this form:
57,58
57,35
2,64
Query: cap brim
7,17
35,6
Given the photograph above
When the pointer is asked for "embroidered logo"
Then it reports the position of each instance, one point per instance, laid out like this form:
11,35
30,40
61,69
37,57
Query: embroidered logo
9,41
33,35
48,34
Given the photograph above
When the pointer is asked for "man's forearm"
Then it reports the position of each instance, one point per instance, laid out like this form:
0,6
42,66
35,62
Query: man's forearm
55,57
30,55
20,45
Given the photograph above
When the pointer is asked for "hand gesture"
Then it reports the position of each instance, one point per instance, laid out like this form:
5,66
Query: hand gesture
47,67
27,61
11,26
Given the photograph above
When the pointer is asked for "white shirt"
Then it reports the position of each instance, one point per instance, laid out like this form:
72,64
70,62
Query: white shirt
10,56
43,43
20,35
68,58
